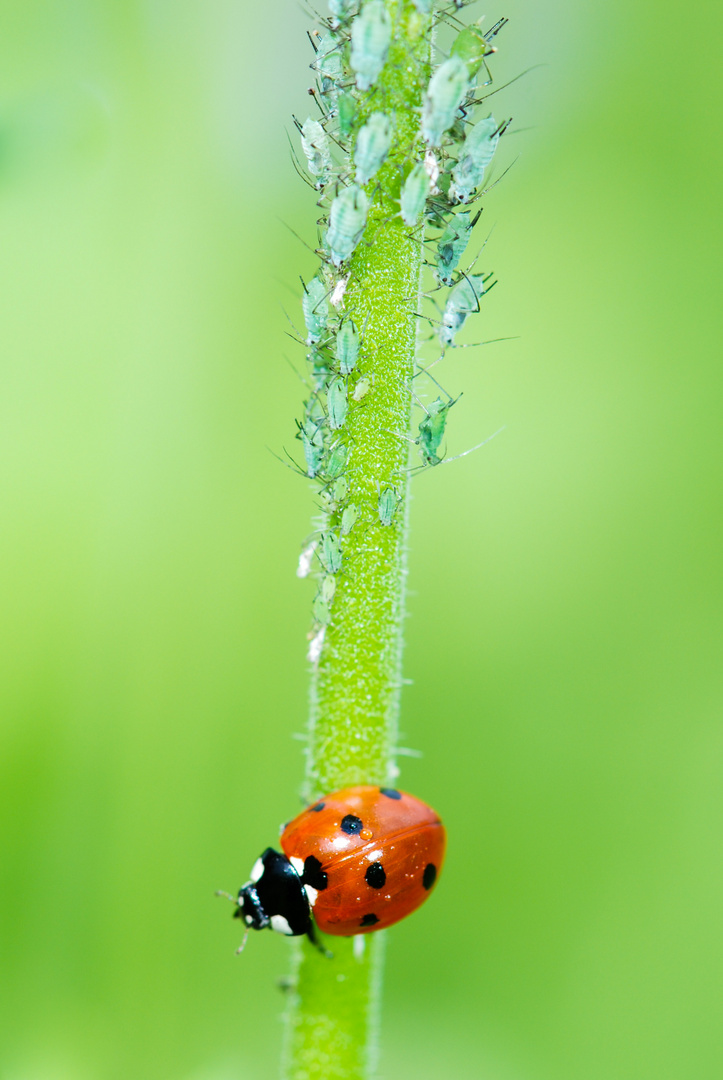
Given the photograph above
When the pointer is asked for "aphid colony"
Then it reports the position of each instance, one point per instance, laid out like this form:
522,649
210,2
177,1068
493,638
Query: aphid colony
441,173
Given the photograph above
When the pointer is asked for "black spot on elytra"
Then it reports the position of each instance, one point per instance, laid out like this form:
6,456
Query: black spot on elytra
429,876
313,874
375,876
369,920
390,792
351,825
319,806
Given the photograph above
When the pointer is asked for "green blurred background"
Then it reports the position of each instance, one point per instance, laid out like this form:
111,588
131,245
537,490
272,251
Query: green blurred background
564,631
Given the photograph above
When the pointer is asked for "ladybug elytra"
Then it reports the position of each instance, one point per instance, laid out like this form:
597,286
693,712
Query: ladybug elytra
354,861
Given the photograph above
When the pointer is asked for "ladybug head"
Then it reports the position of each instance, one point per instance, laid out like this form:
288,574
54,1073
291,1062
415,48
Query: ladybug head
274,897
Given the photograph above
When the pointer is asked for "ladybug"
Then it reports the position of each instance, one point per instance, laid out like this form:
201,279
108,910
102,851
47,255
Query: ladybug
354,861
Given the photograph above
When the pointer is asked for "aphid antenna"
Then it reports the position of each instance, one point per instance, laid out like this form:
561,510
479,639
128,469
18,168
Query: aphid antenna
310,34
295,234
478,101
478,344
293,466
242,946
451,401
448,461
298,374
295,161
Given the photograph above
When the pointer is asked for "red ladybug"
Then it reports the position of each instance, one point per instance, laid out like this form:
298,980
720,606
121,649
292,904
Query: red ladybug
357,860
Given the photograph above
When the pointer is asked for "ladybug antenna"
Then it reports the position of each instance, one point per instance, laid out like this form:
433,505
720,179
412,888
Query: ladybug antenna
242,946
221,892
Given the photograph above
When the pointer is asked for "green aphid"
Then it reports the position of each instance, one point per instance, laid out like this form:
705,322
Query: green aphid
371,36
387,506
322,601
335,462
451,246
312,440
315,144
372,146
340,489
347,346
361,390
447,90
462,301
316,310
342,10
338,403
348,519
414,195
330,67
347,220
475,155
329,552
431,430
471,46
346,107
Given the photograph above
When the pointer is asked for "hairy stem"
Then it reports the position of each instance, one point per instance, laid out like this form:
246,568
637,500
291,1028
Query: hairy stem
355,684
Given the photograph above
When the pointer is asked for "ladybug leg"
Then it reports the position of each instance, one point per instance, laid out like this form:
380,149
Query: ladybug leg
311,934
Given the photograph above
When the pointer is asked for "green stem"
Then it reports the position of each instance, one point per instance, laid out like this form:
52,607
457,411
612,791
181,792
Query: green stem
355,685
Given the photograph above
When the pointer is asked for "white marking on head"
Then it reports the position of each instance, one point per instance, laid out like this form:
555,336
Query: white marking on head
360,944
280,925
298,864
311,894
248,919
257,871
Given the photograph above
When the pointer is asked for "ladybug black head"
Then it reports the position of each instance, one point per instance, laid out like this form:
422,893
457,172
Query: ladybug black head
274,897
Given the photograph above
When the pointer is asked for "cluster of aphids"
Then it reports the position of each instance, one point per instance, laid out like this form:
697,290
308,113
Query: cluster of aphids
443,174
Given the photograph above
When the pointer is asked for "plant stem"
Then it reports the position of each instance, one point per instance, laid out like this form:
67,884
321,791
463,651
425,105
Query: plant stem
356,683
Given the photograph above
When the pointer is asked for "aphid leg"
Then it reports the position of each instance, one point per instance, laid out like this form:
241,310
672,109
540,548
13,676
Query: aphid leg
242,946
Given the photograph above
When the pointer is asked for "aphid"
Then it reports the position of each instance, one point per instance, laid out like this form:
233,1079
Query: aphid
322,601
462,301
316,310
347,220
330,67
451,246
346,107
371,36
336,461
312,440
342,10
347,346
360,390
348,519
414,194
355,861
471,46
387,505
315,144
372,146
431,430
330,552
477,151
304,567
446,91
339,289
338,403
340,489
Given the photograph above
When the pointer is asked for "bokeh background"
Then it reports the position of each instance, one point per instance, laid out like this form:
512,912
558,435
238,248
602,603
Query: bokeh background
565,630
